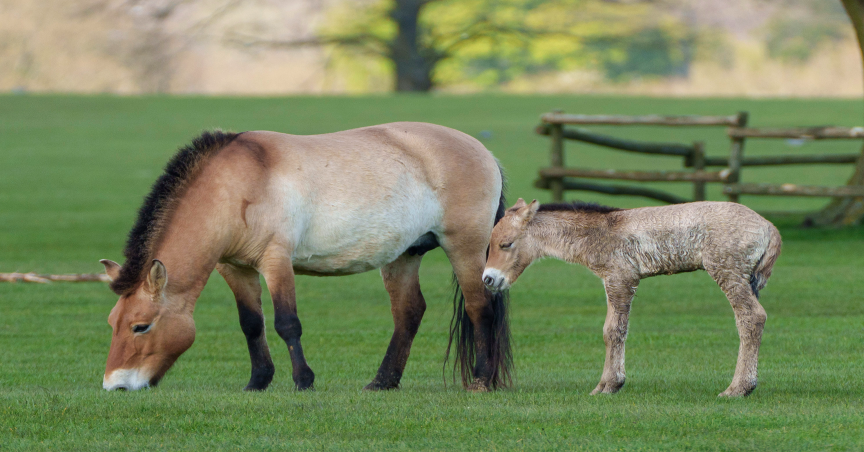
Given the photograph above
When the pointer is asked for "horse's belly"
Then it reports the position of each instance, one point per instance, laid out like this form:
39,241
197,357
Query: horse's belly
360,237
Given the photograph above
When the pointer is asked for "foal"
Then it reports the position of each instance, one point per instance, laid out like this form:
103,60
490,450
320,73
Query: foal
735,245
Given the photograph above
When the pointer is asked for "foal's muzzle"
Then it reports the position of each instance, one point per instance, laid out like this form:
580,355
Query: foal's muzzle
495,280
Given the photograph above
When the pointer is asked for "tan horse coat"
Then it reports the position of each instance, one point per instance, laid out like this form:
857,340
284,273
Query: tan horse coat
326,205
736,246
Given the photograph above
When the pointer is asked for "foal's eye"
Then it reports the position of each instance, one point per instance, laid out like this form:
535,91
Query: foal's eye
141,328
504,246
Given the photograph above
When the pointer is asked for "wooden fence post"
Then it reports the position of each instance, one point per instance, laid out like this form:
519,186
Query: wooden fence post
698,165
736,153
556,158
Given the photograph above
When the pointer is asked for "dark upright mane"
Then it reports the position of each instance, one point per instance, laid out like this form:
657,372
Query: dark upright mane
576,206
159,203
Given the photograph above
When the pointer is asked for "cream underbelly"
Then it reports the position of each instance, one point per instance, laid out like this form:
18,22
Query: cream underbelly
362,236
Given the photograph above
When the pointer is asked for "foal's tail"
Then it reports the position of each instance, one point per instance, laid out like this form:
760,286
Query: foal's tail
762,271
462,331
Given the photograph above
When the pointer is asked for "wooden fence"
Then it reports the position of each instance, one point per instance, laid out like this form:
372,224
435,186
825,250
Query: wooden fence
557,177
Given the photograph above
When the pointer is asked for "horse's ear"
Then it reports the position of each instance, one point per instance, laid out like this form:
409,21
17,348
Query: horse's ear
157,278
520,203
531,210
112,269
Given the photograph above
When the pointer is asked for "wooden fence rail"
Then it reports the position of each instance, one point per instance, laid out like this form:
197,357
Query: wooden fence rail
44,279
557,178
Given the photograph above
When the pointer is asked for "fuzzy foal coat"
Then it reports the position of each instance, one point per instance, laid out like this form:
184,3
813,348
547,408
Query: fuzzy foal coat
735,245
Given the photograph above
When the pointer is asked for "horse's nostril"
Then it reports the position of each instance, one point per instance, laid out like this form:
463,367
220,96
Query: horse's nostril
121,388
488,280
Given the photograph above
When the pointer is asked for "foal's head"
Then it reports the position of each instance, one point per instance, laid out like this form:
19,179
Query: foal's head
150,331
510,253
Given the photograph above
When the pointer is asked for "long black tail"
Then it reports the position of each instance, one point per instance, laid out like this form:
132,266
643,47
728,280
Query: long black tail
462,330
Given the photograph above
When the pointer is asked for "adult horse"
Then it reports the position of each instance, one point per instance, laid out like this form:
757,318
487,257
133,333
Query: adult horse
324,205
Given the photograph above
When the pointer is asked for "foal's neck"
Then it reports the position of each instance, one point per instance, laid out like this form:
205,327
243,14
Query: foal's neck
571,236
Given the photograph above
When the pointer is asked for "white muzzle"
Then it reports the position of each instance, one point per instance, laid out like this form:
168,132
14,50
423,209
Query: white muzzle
126,379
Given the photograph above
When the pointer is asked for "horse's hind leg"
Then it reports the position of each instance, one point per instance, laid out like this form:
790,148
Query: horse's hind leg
619,296
750,319
247,291
279,275
402,281
491,347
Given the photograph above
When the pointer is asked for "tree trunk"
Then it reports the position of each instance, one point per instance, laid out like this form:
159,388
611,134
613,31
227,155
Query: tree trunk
847,211
413,62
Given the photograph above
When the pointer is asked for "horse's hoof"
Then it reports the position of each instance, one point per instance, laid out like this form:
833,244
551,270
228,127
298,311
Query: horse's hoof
304,380
478,385
376,386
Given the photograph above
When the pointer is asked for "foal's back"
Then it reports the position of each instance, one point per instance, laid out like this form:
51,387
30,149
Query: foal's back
692,236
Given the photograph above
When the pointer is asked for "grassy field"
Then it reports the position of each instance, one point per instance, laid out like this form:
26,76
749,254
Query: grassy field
73,171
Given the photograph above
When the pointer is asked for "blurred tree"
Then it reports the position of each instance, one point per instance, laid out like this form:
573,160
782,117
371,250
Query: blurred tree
487,42
847,211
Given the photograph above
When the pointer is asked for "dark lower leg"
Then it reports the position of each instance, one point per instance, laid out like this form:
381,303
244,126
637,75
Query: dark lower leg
402,282
289,329
252,324
482,321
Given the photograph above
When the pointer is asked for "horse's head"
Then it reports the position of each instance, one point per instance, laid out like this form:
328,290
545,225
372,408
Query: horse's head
150,331
509,254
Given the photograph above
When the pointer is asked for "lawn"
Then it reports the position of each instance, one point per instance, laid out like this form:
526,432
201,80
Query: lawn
73,172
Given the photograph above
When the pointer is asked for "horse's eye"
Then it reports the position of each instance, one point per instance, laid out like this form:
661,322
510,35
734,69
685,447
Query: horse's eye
141,328
504,246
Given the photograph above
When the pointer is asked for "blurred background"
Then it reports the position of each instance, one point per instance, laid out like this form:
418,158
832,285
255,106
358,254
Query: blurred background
792,48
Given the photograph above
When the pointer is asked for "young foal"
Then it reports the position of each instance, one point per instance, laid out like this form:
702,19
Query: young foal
324,205
735,245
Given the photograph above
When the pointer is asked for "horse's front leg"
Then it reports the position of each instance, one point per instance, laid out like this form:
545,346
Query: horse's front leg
619,295
402,281
247,291
279,276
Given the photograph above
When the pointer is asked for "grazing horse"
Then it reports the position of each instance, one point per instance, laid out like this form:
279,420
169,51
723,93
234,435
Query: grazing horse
735,245
325,205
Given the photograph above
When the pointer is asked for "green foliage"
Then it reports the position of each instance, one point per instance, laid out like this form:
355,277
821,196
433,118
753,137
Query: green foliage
803,26
653,52
795,40
73,171
484,43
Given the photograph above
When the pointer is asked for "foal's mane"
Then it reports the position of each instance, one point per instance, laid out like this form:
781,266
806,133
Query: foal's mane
576,206
160,203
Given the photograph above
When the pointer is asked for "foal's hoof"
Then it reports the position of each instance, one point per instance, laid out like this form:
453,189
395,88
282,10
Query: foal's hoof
607,387
737,392
478,385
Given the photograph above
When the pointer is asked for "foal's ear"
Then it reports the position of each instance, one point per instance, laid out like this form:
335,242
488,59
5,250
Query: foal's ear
520,203
158,277
531,210
112,269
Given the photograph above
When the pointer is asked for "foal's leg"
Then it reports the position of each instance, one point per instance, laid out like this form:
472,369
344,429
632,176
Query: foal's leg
750,319
402,281
279,275
619,295
247,291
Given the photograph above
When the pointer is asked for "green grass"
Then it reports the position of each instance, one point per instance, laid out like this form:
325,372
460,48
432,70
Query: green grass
73,171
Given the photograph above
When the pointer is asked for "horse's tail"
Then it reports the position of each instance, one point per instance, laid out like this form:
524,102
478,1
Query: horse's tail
462,331
762,271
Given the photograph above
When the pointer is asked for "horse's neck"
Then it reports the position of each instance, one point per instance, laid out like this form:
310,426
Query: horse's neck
561,235
191,245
